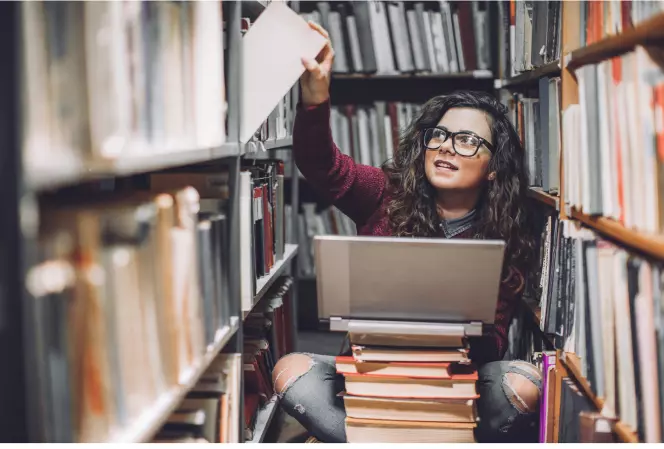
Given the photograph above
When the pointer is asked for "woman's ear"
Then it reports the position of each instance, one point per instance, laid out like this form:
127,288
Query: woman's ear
491,176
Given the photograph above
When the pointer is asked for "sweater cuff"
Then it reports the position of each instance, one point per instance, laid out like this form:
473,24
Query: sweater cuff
314,112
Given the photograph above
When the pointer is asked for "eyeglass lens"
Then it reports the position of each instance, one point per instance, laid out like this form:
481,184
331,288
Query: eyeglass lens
464,143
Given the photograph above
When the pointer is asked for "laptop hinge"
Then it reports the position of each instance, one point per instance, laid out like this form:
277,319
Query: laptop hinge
405,327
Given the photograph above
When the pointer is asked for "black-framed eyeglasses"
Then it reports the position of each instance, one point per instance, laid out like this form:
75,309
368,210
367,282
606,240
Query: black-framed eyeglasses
465,143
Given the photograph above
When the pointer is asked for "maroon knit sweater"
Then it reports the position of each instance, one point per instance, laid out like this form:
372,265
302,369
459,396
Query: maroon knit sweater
359,191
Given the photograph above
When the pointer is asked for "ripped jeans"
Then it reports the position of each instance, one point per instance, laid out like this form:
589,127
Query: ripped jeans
312,399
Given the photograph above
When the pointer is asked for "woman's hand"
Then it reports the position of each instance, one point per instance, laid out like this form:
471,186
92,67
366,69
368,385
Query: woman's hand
315,81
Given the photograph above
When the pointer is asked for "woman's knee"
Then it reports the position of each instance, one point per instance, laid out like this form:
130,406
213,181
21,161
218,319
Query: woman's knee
288,369
522,386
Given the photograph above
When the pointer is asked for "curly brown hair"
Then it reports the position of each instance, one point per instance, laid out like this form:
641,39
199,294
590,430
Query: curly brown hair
502,211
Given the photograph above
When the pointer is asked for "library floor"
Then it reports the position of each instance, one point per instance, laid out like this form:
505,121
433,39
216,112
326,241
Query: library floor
285,429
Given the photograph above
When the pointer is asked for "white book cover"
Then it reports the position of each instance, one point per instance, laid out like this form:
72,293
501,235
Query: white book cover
246,250
337,36
353,36
364,133
603,112
439,42
416,43
272,52
108,78
428,42
209,103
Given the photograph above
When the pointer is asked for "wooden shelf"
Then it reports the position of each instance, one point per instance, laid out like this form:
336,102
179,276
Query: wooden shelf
573,365
263,284
144,428
650,31
263,420
625,434
476,74
77,172
543,197
652,245
531,76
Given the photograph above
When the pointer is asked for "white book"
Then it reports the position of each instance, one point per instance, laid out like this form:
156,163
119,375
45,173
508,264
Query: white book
340,63
649,74
397,13
439,42
278,39
428,42
246,250
448,30
108,78
459,45
208,57
416,42
344,132
582,77
604,143
389,143
353,36
364,134
376,134
381,37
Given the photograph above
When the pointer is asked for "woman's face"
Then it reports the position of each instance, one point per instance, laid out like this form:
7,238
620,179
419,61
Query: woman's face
447,170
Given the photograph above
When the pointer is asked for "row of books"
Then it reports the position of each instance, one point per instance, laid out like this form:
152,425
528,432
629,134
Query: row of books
537,120
408,389
312,222
529,35
109,80
606,306
614,141
370,133
210,412
268,337
137,281
262,218
404,37
597,20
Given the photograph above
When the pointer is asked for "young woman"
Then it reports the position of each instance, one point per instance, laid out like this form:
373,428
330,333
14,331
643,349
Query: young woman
458,172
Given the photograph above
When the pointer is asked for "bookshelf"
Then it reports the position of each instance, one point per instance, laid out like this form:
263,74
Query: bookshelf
279,144
477,74
572,363
544,198
264,419
529,77
651,31
653,245
149,423
78,173
30,410
263,284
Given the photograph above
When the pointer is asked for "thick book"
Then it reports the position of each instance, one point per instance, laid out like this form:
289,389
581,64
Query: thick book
380,354
424,410
382,431
431,370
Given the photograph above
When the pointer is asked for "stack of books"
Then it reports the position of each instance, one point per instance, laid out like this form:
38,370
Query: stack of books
409,388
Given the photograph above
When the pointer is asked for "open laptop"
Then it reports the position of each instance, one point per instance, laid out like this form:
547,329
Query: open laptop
408,285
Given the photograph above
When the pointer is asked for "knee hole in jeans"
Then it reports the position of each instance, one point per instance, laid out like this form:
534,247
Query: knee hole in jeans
289,369
522,393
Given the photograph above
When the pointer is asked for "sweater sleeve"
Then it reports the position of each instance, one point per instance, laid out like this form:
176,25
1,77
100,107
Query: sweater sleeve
493,346
356,189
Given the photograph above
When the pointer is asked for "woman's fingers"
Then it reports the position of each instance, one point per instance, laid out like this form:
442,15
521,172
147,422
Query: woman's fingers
312,66
320,29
